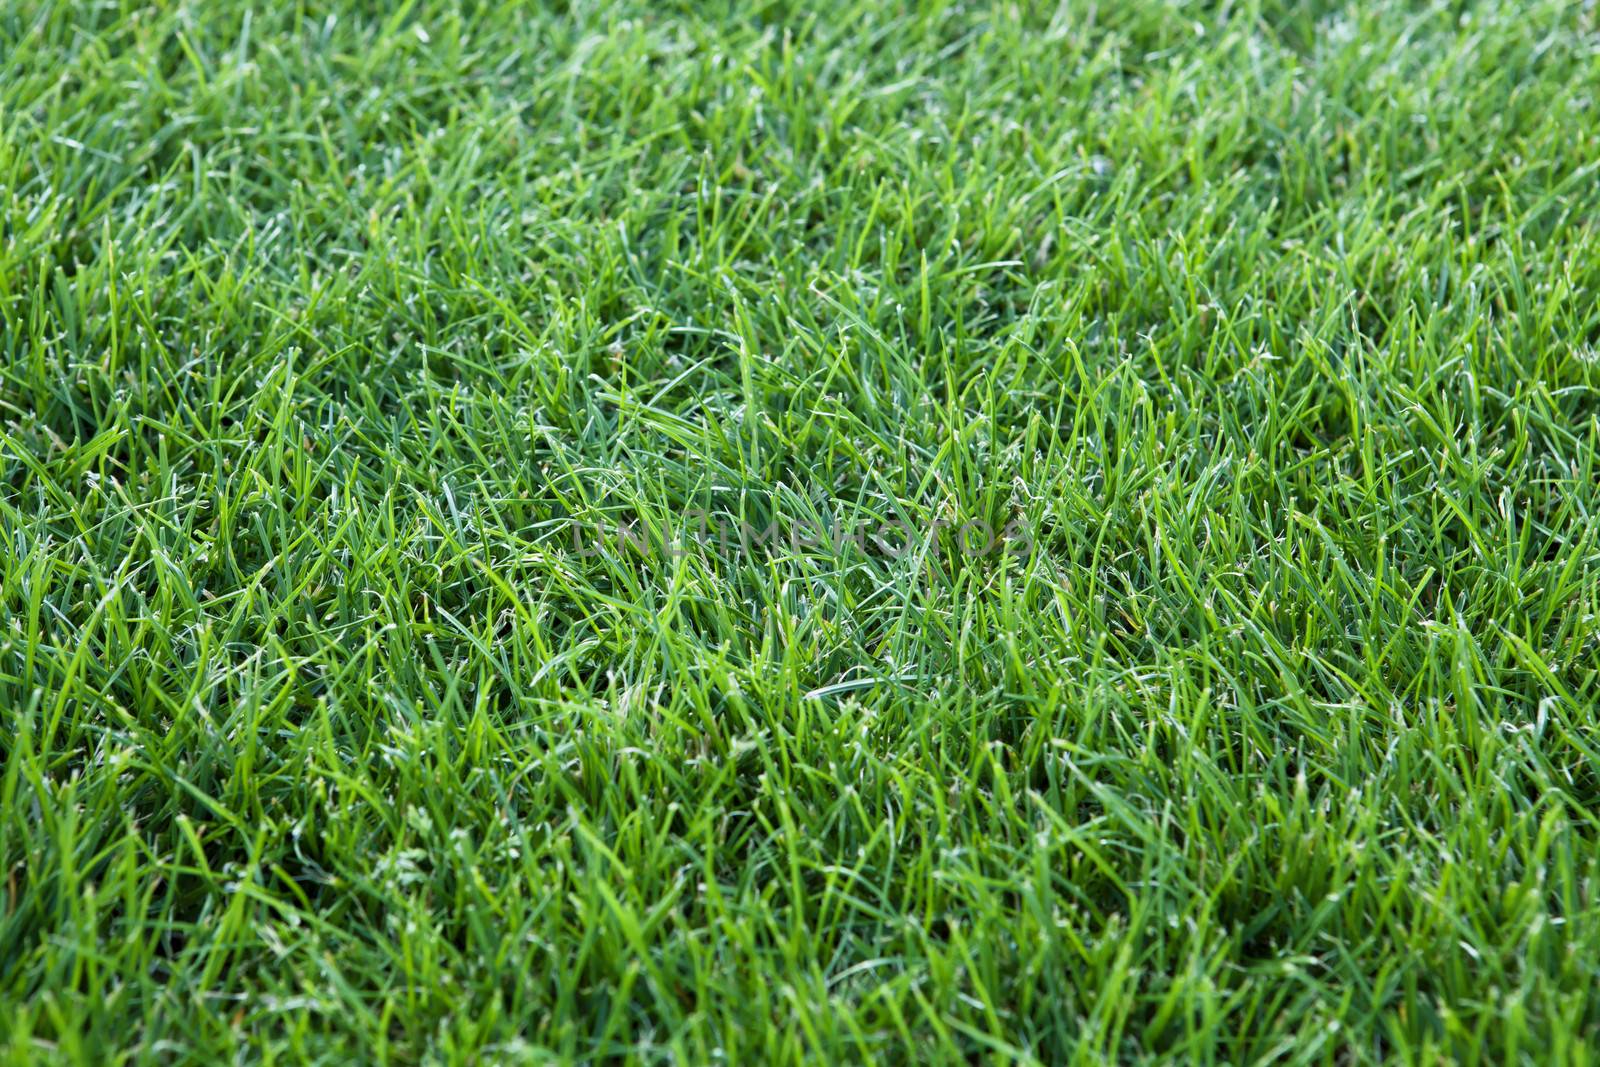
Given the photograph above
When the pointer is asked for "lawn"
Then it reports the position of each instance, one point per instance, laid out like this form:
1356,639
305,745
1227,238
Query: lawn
929,533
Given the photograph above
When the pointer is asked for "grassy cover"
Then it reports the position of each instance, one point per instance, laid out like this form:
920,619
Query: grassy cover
371,376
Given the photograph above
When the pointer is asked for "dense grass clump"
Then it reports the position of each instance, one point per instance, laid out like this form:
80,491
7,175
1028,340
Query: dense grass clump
745,533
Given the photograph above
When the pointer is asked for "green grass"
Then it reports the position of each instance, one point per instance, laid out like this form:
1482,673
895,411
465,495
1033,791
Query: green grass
370,688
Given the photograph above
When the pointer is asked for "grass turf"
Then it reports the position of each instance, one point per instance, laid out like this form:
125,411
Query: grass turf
371,378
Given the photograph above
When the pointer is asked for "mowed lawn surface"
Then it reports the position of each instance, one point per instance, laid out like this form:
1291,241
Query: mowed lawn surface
776,533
